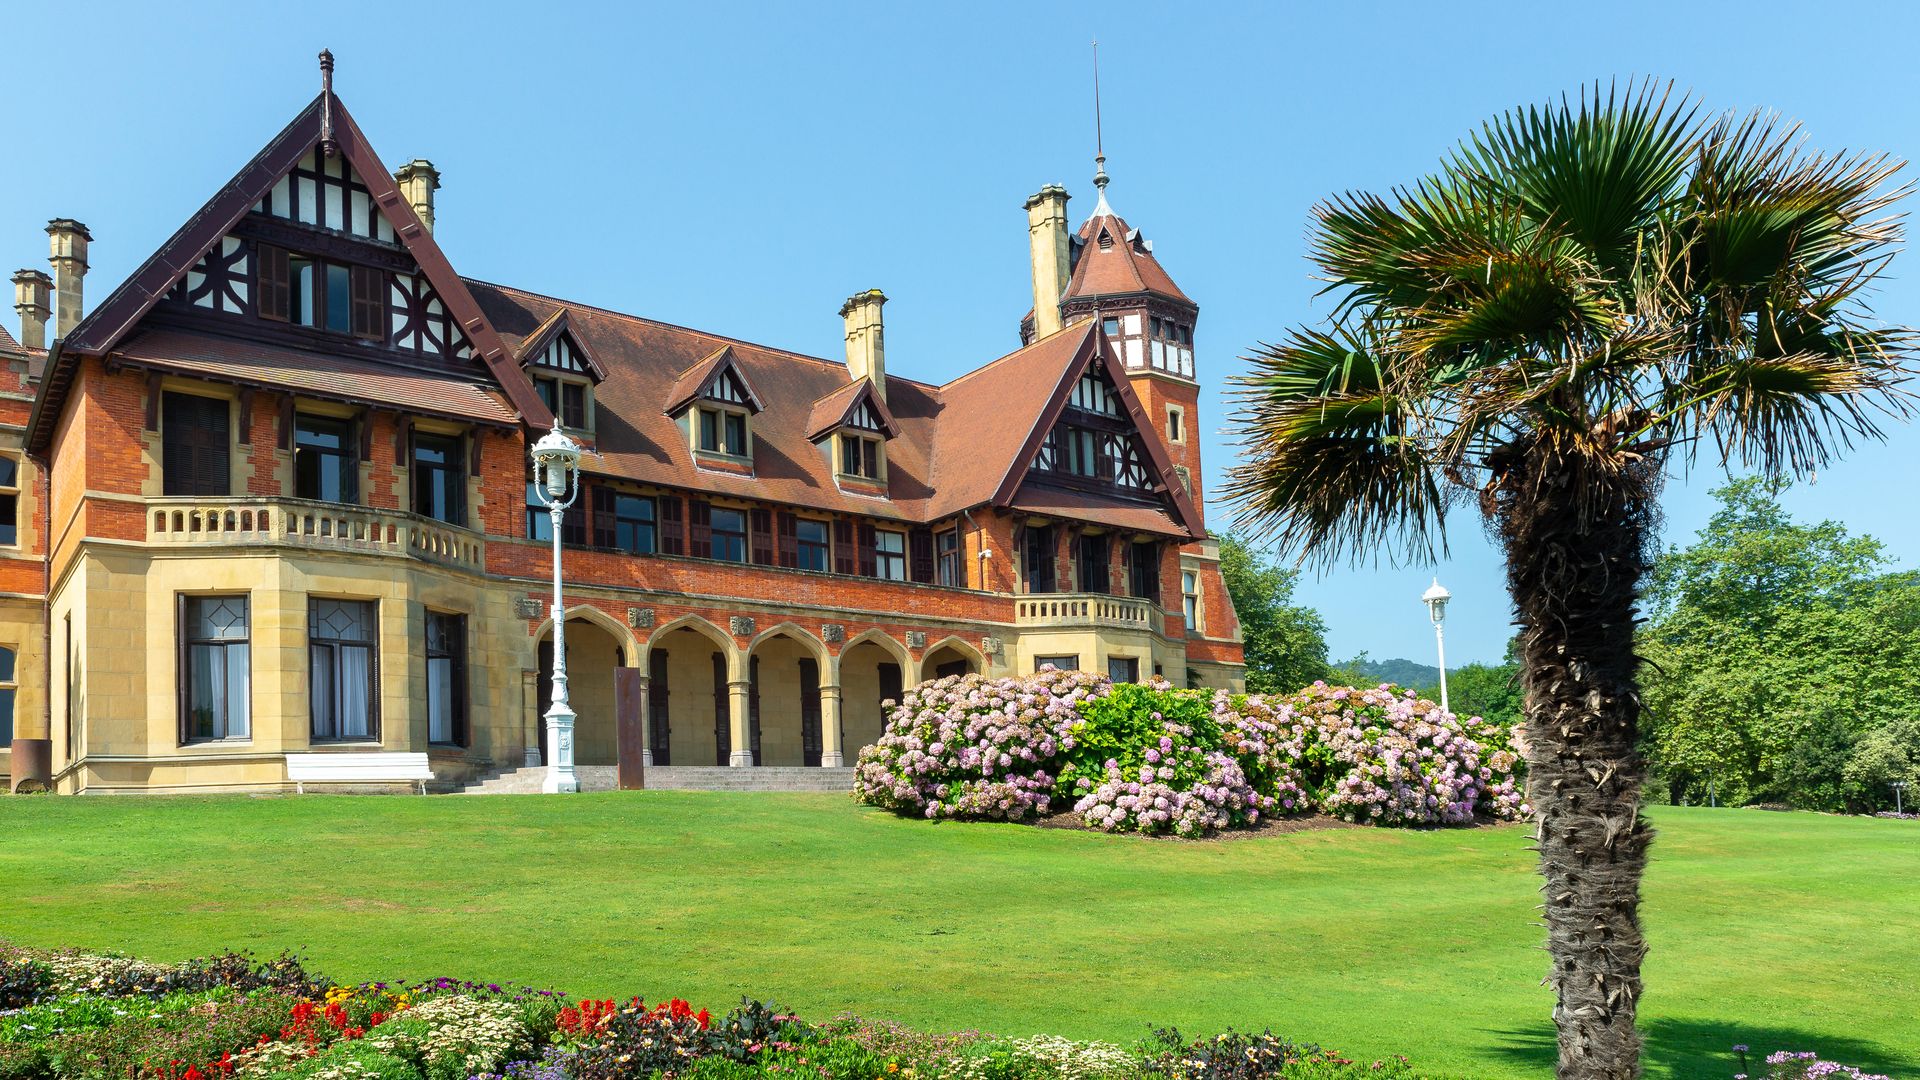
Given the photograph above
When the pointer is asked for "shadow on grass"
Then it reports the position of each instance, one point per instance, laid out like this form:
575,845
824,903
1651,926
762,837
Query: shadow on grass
1692,1049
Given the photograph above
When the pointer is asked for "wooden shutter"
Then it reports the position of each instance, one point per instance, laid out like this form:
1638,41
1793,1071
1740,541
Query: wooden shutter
274,286
789,535
810,727
673,533
602,502
868,563
760,535
699,529
843,557
195,456
369,302
920,554
630,717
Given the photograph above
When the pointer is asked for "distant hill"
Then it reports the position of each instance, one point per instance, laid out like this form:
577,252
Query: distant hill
1406,673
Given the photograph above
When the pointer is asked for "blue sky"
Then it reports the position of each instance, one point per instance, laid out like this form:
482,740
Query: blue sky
743,169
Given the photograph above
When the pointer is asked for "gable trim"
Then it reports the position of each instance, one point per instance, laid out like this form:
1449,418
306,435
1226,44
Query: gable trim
695,380
558,324
1096,344
99,332
864,392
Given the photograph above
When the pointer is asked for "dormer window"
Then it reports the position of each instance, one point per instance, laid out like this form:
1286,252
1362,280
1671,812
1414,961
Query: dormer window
863,456
563,373
721,431
565,398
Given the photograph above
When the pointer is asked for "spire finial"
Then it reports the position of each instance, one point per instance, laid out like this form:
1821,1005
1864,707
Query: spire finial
327,145
1099,142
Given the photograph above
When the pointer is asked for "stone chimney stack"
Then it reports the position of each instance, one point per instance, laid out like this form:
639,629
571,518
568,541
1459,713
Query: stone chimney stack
31,290
866,339
68,241
1047,242
418,181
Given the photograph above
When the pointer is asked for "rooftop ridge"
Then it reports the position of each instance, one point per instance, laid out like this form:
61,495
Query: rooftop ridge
726,339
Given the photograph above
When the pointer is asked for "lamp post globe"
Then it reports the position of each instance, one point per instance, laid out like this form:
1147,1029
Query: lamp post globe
1436,598
556,462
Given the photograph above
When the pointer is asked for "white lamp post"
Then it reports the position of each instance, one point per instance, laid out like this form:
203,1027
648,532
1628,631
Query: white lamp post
556,463
1436,599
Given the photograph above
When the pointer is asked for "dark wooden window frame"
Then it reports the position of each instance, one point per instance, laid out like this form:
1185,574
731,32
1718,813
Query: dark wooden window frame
449,644
184,643
335,647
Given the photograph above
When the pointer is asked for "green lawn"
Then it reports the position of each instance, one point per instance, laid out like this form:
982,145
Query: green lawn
1778,930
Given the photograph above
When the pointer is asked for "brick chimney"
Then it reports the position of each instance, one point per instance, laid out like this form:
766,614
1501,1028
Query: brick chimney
866,339
418,181
68,242
1047,243
31,290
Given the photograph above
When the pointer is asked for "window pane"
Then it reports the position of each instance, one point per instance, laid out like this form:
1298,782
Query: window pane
203,665
320,676
6,715
300,309
709,430
736,433
339,299
573,405
6,665
238,662
9,515
356,674
440,700
9,472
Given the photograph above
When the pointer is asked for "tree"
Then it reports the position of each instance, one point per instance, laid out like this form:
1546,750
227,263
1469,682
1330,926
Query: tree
1489,691
1778,649
1581,295
1285,643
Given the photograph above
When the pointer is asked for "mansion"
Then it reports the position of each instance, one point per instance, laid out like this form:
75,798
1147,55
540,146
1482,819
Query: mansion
266,519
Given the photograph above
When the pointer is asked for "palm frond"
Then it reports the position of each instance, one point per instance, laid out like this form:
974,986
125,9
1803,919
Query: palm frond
1332,462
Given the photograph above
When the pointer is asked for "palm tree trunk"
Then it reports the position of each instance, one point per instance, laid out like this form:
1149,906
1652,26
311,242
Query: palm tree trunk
1576,534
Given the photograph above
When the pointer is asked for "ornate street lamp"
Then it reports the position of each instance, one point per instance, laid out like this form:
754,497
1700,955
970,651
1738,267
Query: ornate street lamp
556,465
1436,600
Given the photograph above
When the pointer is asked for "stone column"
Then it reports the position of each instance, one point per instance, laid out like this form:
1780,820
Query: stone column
739,722
831,755
646,721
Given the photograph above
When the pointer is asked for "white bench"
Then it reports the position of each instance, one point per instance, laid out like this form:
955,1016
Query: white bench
359,767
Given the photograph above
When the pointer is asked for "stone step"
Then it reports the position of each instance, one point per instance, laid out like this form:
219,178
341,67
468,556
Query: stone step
527,780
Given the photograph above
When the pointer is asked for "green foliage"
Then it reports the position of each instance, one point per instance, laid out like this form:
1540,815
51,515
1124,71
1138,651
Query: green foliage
1122,725
357,1060
1286,643
1364,670
1784,661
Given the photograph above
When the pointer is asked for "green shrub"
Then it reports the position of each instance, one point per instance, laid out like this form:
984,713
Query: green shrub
356,1060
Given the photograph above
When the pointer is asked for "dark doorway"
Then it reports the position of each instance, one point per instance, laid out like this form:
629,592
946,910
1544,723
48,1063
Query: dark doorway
890,688
722,728
545,694
951,667
753,708
659,733
810,734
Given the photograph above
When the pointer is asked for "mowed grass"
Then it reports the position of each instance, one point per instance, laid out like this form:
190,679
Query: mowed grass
1777,930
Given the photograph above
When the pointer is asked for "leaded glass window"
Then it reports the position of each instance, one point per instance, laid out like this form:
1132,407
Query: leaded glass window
343,663
215,668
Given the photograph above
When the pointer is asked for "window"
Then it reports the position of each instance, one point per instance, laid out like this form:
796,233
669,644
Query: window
326,464
304,296
1093,573
1190,598
948,568
723,431
215,675
1143,573
1111,326
812,543
194,451
860,456
343,678
566,400
729,534
573,520
274,287
1174,432
8,687
1123,669
369,303
338,294
300,290
890,555
446,678
1037,559
439,486
9,503
633,524
1066,662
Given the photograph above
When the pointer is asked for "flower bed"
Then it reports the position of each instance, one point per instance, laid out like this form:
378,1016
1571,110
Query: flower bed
94,1018
1153,759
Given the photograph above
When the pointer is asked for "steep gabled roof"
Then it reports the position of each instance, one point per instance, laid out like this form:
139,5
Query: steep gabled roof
7,342
1116,261
694,381
837,409
110,323
549,331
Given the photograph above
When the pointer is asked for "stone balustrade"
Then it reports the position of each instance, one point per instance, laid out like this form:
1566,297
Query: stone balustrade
1085,609
300,523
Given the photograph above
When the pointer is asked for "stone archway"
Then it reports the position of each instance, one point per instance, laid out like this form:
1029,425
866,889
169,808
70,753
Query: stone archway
786,671
689,663
950,656
873,669
594,653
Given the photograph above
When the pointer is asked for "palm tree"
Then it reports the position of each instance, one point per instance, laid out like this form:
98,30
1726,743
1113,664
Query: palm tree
1582,296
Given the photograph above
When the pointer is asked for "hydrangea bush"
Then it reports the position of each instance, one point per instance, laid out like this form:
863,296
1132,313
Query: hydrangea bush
1153,759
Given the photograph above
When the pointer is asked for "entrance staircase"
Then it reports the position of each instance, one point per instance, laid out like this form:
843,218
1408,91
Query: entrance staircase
527,779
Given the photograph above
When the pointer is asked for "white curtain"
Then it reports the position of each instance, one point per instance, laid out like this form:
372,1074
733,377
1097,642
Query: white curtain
356,676
440,700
